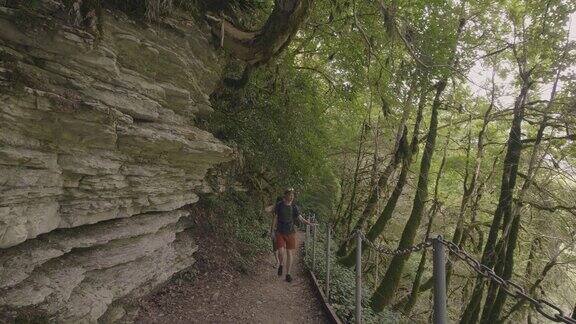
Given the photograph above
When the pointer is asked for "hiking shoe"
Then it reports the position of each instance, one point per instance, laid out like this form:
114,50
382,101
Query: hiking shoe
280,270
288,278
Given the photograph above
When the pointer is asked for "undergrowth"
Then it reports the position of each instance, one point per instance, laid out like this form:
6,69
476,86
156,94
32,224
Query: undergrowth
244,220
342,286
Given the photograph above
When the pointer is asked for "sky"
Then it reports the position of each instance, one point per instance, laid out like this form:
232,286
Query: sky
479,77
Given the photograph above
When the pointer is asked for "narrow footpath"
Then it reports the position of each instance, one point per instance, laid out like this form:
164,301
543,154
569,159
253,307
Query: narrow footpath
217,295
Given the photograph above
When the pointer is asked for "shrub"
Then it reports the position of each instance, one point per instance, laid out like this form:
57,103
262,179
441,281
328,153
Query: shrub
343,286
243,217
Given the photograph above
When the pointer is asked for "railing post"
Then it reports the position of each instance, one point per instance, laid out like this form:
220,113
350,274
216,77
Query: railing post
439,273
306,242
377,274
327,291
358,277
314,248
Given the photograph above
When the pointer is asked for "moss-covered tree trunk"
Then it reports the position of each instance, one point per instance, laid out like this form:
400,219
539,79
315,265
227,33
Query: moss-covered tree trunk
258,47
413,297
376,190
343,249
467,230
504,207
385,292
529,273
407,153
474,226
532,291
351,207
492,313
415,292
468,189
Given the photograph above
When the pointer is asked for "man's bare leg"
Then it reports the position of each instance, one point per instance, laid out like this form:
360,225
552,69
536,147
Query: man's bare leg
280,260
276,258
289,261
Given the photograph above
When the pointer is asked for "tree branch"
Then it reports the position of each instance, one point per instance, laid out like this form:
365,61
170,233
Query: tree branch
258,47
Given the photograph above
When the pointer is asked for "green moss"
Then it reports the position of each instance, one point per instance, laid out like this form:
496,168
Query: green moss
155,66
17,80
39,62
6,57
27,314
26,18
30,4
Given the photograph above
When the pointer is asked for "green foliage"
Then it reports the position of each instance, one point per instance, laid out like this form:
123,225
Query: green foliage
343,286
278,123
243,217
331,103
365,54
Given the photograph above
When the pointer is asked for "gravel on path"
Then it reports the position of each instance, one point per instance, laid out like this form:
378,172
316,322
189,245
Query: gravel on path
218,294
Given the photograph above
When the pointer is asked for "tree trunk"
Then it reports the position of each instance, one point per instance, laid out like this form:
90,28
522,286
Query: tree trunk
432,214
503,210
413,297
258,47
384,293
469,189
386,213
343,249
528,275
341,200
407,153
349,213
374,173
466,232
376,190
492,314
474,210
549,265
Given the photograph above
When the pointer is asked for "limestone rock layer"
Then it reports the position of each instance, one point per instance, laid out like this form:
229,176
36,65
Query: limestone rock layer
99,152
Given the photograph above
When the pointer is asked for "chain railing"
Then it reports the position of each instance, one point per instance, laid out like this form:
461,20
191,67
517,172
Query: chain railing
544,307
439,244
384,250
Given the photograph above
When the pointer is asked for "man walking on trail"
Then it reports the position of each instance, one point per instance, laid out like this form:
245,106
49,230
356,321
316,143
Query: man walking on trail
271,209
285,214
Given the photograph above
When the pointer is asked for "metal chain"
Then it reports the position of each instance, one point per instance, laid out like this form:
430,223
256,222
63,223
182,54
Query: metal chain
404,251
350,237
544,307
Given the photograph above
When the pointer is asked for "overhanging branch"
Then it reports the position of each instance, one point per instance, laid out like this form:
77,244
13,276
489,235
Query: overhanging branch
258,47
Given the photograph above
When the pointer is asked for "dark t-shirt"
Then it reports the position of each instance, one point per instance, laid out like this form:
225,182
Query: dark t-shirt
286,216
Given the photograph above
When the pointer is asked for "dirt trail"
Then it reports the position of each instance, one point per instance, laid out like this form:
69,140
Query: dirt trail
217,295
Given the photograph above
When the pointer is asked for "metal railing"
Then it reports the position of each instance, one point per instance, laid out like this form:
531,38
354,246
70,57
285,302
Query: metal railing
439,246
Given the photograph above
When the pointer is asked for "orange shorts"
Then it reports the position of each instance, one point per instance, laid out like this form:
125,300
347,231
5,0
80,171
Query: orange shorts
286,240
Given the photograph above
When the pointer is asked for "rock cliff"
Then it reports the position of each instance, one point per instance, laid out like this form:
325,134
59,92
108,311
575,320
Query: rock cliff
99,152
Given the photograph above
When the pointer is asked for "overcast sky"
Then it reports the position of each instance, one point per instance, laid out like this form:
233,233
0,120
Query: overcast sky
480,76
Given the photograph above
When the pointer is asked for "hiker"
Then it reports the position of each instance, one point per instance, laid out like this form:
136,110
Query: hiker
271,209
285,214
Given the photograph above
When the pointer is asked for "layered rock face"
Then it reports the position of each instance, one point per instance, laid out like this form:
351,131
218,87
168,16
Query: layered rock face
98,155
